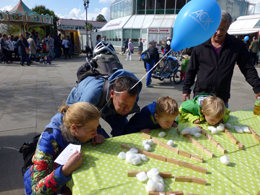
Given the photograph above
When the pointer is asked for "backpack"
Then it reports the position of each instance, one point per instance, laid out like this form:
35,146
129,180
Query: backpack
28,150
100,66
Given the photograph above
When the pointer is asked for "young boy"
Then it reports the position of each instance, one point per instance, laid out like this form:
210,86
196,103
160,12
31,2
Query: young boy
204,107
160,114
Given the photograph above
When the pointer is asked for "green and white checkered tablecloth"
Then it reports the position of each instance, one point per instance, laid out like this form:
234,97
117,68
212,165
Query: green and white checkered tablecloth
103,173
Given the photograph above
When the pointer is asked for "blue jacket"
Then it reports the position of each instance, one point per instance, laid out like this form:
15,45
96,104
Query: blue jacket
143,120
50,145
90,90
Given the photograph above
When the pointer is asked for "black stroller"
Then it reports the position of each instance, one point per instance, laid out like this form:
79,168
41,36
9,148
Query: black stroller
169,71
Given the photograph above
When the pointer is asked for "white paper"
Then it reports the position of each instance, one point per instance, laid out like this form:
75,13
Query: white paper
67,153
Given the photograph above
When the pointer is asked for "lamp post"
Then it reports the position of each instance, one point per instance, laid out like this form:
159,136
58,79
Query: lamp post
86,3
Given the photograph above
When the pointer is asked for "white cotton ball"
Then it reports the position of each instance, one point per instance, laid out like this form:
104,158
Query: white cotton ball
192,132
221,127
162,134
152,172
238,129
214,131
147,147
129,153
129,157
228,125
170,143
134,150
196,129
197,135
211,128
224,160
145,142
160,187
151,185
121,155
150,142
143,157
158,179
186,131
164,193
142,176
136,160
245,129
147,188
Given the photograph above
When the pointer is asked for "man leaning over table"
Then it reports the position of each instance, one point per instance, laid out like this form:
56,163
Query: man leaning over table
121,100
213,63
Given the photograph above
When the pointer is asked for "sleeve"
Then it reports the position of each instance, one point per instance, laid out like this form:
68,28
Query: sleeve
248,69
45,178
187,111
191,73
226,116
187,116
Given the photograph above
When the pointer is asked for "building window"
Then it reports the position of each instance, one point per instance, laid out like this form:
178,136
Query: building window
160,6
150,6
170,6
140,6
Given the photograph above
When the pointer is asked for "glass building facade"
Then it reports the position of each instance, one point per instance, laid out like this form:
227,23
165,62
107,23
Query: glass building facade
158,27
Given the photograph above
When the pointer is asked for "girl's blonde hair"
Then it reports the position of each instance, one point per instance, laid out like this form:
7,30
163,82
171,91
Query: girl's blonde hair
166,106
213,107
80,114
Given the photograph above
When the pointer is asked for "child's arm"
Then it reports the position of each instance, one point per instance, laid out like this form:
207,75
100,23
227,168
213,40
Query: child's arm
188,111
189,117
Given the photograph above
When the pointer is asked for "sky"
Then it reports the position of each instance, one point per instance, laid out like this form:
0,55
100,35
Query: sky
74,9
70,9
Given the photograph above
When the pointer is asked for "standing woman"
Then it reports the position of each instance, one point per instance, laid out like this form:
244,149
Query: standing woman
66,46
130,49
5,49
22,44
74,124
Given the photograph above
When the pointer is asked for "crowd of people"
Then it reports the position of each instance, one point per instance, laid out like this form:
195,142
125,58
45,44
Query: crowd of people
212,63
23,48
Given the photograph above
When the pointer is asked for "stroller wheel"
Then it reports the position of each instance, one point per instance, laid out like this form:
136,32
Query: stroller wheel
161,79
176,77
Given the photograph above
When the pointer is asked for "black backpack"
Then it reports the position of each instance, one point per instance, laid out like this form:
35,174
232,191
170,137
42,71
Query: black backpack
100,66
28,150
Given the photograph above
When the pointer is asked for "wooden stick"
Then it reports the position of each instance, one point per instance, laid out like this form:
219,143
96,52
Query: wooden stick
175,150
240,146
147,136
178,131
166,159
175,192
233,139
162,174
213,141
254,134
199,145
190,179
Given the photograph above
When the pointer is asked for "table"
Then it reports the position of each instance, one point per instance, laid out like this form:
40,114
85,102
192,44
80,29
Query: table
103,173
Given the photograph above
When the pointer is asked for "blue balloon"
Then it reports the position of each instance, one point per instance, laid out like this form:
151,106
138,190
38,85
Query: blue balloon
196,22
246,38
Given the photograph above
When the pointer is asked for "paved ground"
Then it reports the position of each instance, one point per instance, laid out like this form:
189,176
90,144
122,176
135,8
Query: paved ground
31,95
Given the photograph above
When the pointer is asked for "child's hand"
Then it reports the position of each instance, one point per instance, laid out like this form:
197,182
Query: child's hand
98,139
146,131
72,164
197,121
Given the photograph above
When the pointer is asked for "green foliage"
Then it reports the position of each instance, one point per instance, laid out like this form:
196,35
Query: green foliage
41,9
90,26
101,18
10,29
39,30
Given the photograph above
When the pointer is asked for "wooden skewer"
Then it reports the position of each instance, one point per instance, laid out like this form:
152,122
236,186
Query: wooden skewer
190,179
254,134
233,139
162,174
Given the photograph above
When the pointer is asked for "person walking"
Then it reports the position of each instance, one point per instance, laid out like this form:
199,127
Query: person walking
5,49
51,45
22,44
32,48
130,50
126,45
57,46
66,46
140,48
16,55
10,48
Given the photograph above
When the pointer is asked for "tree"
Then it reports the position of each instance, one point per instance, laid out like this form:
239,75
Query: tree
90,26
41,9
101,18
10,29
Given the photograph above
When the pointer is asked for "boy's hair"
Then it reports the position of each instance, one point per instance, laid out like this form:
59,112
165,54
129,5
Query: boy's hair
214,107
166,106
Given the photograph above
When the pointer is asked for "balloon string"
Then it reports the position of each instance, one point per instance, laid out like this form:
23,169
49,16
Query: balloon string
151,69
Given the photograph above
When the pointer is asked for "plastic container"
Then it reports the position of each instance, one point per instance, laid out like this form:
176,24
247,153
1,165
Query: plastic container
257,106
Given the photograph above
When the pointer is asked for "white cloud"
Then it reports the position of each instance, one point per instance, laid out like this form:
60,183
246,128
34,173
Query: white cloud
106,13
106,1
79,14
6,8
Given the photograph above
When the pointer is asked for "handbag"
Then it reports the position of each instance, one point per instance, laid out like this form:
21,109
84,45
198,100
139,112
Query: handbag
147,58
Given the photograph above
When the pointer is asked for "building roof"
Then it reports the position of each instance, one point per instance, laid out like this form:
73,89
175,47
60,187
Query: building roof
63,21
21,7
